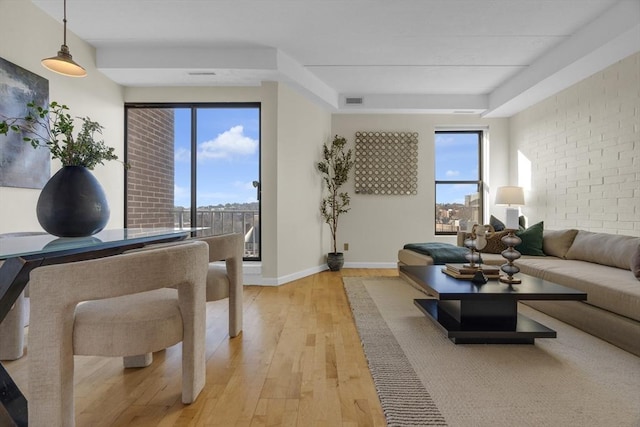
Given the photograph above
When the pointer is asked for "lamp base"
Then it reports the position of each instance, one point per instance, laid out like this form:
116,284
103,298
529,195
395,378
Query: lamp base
509,280
510,254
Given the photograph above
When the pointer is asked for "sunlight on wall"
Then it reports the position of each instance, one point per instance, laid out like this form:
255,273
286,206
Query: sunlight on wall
524,171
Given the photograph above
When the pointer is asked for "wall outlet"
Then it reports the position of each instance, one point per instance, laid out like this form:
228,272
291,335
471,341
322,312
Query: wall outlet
346,246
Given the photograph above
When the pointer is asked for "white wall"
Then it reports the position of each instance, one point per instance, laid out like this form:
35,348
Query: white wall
379,225
302,129
583,145
28,35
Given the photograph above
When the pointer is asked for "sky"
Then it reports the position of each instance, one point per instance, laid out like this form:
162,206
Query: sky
227,153
456,159
228,158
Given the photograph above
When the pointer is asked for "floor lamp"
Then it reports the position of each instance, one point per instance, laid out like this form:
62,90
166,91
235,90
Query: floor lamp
510,196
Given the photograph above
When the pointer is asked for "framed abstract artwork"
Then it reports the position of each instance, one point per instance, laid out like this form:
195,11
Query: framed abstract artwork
20,164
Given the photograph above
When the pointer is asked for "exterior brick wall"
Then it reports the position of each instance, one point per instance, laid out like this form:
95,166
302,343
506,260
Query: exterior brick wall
150,151
583,145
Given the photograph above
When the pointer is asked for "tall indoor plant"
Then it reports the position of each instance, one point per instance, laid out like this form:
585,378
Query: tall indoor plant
72,203
335,167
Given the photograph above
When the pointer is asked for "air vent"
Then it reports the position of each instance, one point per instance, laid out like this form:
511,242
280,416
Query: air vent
463,112
353,101
202,73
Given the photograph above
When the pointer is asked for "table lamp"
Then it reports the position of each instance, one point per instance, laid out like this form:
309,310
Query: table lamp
510,196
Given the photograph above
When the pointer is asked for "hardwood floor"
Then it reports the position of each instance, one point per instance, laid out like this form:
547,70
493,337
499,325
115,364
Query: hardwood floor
298,362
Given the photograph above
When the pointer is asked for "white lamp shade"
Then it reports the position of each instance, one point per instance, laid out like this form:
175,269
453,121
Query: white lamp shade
510,196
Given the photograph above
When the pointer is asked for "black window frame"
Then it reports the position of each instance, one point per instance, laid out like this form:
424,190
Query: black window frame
477,182
194,106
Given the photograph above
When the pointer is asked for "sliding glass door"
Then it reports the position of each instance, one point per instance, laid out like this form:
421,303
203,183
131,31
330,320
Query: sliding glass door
214,170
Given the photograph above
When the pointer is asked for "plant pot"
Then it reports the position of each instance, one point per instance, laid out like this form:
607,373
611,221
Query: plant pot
72,204
335,260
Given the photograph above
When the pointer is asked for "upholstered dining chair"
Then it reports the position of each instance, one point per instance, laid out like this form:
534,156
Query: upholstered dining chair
226,281
124,305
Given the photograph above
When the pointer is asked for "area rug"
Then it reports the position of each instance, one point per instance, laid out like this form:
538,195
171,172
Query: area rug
424,379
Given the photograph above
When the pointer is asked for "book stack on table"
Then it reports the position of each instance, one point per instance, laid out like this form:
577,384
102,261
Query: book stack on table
465,272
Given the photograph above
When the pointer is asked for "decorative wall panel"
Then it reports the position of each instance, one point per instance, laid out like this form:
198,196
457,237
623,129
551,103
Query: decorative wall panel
386,163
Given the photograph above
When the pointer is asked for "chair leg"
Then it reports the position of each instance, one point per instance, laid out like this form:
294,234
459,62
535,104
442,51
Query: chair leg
234,270
192,301
50,398
12,331
138,361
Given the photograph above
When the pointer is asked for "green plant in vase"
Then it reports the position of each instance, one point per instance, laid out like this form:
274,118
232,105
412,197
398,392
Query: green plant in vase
72,203
335,167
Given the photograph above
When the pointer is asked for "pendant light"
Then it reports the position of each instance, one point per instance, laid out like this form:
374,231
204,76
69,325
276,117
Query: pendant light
63,63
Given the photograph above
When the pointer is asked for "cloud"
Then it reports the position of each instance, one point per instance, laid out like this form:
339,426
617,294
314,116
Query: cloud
182,155
452,173
228,144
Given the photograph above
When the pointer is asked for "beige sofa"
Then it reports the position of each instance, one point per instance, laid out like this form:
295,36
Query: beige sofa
599,264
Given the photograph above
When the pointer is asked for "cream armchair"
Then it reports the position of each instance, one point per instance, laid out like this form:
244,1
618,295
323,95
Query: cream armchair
124,305
226,282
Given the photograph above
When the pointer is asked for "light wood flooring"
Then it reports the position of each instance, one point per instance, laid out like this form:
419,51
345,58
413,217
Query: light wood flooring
298,362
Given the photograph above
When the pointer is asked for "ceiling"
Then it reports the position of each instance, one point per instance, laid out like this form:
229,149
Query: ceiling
489,57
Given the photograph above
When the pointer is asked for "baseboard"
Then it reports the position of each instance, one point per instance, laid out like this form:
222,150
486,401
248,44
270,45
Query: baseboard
254,277
370,265
267,281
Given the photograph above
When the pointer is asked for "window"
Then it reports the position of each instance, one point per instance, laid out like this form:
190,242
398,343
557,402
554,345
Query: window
458,181
195,165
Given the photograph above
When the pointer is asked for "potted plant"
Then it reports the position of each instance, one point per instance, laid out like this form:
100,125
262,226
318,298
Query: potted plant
335,167
72,203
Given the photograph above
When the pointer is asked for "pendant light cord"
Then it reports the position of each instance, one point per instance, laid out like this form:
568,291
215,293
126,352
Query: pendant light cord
64,21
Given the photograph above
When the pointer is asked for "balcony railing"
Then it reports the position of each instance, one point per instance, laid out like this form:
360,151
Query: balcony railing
224,221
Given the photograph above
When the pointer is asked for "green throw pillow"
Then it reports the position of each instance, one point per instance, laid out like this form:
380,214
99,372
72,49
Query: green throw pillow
531,240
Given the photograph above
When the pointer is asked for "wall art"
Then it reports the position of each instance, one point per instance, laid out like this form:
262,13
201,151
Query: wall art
386,163
20,164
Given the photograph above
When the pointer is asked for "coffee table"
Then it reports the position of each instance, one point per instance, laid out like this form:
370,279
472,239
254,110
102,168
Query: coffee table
487,313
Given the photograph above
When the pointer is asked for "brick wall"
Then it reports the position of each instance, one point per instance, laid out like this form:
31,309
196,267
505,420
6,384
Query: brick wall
150,180
583,145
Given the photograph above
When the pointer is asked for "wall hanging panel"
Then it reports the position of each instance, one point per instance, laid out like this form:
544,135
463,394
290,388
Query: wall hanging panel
386,163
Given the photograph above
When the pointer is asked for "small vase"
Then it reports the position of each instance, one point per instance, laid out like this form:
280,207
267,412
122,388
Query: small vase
72,204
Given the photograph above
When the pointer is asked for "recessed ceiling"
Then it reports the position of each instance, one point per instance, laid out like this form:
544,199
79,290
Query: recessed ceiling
493,57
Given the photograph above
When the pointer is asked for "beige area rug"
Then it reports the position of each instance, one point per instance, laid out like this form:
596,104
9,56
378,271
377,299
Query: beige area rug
572,380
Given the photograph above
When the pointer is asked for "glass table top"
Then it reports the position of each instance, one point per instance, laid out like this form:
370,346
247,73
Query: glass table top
22,244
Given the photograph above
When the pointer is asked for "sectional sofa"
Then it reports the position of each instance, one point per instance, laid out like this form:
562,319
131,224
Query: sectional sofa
605,266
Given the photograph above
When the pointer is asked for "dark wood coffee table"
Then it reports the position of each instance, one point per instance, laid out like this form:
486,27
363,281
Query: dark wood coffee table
488,313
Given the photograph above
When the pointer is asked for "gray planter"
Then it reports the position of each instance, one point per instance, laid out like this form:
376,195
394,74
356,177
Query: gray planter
335,260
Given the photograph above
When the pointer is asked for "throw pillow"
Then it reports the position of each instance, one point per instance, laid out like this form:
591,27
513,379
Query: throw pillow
494,244
496,223
635,263
557,242
522,221
531,240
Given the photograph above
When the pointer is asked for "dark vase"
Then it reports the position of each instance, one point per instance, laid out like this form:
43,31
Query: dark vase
72,204
335,260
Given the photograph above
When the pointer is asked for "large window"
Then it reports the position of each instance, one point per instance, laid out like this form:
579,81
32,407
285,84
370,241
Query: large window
195,165
458,182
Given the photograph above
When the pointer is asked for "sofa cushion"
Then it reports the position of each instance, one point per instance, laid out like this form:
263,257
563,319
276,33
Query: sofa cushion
408,257
499,225
635,263
531,240
612,289
496,223
614,250
557,242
